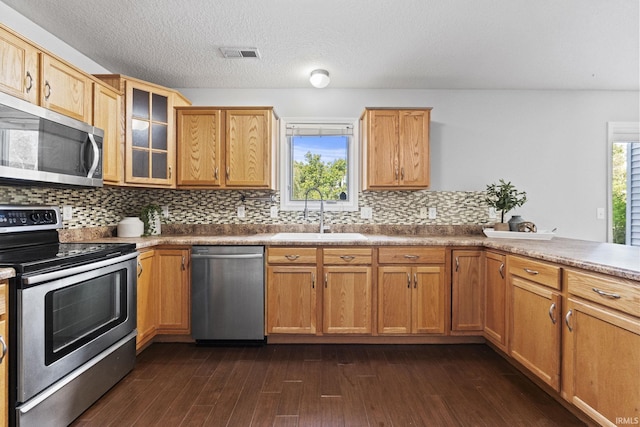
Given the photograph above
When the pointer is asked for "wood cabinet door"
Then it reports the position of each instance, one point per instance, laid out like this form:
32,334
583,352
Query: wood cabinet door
535,329
429,300
291,299
147,299
173,272
394,300
18,67
248,148
150,139
107,116
467,291
382,168
4,363
199,150
347,300
601,362
66,90
495,298
413,148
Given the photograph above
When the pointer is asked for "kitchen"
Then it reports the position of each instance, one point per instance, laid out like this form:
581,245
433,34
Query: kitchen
546,135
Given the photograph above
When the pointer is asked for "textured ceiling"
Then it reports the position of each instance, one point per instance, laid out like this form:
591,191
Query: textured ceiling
422,44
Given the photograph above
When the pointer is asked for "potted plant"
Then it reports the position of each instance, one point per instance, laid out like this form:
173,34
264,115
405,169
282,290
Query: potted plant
504,197
150,216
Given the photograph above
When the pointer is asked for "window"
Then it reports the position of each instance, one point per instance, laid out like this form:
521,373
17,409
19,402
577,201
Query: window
319,154
624,183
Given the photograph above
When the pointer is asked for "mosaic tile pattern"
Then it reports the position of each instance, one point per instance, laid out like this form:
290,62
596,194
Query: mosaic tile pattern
106,206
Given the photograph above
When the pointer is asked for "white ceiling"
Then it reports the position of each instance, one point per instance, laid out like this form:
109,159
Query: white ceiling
421,44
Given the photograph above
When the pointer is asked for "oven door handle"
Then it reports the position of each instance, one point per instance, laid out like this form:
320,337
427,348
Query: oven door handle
66,272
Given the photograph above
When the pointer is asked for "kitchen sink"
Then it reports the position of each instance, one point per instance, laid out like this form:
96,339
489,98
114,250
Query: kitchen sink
318,237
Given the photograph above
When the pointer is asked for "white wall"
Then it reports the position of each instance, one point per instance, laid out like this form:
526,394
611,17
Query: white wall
552,144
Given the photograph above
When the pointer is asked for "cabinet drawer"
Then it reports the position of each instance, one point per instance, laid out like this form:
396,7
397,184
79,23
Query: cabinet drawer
347,256
411,255
535,271
617,293
291,255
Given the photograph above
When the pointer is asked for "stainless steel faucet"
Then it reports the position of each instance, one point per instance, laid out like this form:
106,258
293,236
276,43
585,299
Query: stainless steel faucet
306,210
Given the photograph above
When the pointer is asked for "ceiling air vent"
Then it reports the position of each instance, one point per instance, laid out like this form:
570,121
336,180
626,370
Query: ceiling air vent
240,52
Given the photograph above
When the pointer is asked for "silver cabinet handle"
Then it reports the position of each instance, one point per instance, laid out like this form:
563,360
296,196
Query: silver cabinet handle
566,320
140,269
532,272
47,91
402,173
605,294
407,256
348,257
396,173
408,280
29,79
501,270
4,349
228,173
169,172
326,279
184,267
457,264
415,280
292,257
215,173
313,281
552,310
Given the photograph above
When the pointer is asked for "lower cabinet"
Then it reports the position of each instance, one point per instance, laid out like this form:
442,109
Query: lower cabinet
601,347
412,299
147,299
174,279
467,292
4,362
535,312
495,299
346,302
291,299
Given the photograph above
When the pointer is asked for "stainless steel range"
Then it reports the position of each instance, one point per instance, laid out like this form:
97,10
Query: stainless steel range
72,317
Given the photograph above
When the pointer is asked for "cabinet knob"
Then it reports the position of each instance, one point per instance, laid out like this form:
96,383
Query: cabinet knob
47,90
29,80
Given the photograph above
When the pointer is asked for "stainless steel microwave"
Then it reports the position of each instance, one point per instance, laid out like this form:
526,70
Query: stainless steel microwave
41,146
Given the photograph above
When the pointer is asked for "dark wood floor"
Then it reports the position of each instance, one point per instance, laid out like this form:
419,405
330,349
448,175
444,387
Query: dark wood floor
325,385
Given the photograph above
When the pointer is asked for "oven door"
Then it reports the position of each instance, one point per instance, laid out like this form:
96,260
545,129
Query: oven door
66,318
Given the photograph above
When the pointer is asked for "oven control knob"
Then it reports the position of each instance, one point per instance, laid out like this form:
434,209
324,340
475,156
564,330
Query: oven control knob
48,216
35,217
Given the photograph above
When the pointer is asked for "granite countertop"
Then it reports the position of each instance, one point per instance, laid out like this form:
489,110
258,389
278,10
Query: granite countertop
617,260
7,273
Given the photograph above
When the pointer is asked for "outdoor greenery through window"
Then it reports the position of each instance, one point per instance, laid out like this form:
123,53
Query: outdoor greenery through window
319,156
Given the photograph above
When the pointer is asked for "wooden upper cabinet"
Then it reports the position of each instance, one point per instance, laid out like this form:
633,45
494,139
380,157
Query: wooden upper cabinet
199,149
66,90
395,148
107,116
249,149
19,75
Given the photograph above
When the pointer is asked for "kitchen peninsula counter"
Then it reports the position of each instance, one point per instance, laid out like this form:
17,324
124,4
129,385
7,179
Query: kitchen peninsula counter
616,260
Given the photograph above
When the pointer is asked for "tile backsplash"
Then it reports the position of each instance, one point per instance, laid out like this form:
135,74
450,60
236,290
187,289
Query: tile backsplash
108,205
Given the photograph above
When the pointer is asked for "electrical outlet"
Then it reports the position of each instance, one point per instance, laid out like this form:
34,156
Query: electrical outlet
165,211
67,212
366,213
600,213
492,213
423,212
241,211
433,213
274,212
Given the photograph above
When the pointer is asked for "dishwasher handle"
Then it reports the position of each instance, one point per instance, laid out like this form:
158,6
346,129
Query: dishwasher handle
226,256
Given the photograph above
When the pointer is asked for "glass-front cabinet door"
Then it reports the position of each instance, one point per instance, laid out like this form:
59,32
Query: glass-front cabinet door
149,141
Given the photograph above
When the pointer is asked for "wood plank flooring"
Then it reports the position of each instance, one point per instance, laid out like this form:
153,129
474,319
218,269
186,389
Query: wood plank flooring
325,385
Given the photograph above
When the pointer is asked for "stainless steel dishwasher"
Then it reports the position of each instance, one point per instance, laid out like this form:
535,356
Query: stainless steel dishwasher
227,293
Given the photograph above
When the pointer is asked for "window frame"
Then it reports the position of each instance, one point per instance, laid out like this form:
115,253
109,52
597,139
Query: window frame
353,151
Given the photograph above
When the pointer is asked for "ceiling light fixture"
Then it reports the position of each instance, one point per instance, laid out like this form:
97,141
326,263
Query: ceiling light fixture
319,78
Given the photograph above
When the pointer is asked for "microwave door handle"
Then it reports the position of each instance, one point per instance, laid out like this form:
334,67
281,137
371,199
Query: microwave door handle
96,156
